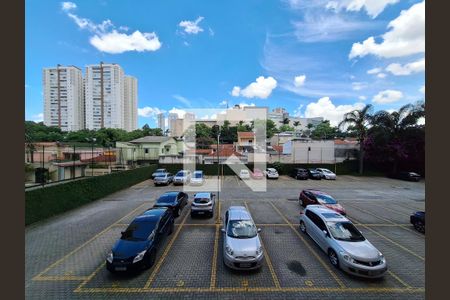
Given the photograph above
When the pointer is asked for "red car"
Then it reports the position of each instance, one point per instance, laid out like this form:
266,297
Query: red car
257,174
317,197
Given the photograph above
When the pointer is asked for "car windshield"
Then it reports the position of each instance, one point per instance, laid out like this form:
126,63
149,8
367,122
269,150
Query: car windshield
241,229
181,173
325,199
201,200
138,231
198,175
160,170
345,231
326,171
161,175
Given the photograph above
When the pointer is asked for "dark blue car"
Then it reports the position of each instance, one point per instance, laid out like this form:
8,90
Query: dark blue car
173,200
137,247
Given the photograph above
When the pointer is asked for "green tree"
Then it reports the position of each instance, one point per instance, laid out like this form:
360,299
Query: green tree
324,131
286,127
360,119
271,128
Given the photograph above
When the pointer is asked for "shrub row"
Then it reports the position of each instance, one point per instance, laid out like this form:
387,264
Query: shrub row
48,201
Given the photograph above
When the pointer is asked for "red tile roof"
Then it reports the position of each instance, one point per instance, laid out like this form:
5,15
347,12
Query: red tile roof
243,134
278,148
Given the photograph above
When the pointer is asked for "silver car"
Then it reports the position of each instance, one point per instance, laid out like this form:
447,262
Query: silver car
345,245
162,179
203,204
182,177
242,249
197,178
326,174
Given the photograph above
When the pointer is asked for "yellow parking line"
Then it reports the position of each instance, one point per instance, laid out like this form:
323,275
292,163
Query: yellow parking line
88,241
90,277
341,284
268,260
60,278
384,219
251,289
164,255
214,261
399,279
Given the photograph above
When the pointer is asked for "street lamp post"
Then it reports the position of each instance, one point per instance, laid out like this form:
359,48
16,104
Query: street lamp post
217,127
92,156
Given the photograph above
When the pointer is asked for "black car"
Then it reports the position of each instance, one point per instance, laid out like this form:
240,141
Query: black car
418,220
299,173
314,174
136,249
174,200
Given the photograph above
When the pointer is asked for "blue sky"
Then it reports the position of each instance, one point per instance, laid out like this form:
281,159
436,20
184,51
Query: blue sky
315,58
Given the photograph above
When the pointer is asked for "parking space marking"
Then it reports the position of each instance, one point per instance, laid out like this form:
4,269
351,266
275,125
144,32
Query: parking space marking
102,265
41,275
390,209
275,279
214,262
166,251
341,284
384,219
61,278
399,279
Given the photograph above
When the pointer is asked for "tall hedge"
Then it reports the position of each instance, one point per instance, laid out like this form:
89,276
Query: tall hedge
48,201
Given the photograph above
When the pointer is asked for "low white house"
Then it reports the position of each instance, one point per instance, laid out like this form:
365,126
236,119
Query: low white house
310,151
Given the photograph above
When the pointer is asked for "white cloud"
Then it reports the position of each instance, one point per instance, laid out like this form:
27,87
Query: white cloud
299,80
224,102
107,39
191,27
298,111
243,104
38,118
261,88
211,32
183,100
179,112
149,112
362,98
66,6
372,7
406,36
235,92
374,71
422,89
387,96
407,69
381,75
326,109
115,42
357,86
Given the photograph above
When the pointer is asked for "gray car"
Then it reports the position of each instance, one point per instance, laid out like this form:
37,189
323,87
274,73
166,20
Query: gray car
345,245
182,177
203,204
163,179
242,249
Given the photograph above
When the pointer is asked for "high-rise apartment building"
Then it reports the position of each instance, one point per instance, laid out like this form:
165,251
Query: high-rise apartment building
63,97
172,119
104,96
130,103
161,122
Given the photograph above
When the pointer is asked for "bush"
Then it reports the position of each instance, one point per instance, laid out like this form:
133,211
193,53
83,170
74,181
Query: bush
48,201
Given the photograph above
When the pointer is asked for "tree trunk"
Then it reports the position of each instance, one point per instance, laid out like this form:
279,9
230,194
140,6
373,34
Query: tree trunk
361,159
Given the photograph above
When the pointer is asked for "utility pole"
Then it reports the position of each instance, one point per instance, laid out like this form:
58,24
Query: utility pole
43,172
73,159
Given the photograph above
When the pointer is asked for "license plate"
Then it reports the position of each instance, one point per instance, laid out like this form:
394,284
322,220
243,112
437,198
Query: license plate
120,268
201,212
245,265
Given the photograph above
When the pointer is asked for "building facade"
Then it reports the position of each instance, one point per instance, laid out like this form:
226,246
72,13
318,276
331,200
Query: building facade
130,103
104,96
161,122
63,98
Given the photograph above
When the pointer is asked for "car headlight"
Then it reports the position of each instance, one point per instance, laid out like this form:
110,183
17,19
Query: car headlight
229,250
381,256
110,257
346,256
139,257
259,251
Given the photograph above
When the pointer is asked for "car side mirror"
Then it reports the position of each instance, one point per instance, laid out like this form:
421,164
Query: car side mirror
223,230
259,229
325,232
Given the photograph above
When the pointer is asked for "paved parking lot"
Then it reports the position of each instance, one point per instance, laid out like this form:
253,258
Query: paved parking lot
65,255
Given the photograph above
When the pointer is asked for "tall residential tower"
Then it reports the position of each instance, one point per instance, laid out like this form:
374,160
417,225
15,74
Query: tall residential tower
130,103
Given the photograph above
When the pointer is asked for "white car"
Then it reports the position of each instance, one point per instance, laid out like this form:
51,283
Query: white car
271,173
326,174
182,177
197,178
345,245
244,174
242,249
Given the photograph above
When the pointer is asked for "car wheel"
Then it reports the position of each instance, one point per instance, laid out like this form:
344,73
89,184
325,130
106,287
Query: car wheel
419,226
150,261
332,256
302,227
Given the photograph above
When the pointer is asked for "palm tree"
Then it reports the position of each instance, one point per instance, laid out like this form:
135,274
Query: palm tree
394,124
360,120
285,121
296,124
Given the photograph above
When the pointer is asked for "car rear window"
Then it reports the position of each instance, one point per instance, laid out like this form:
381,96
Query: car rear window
201,200
325,199
198,175
162,175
